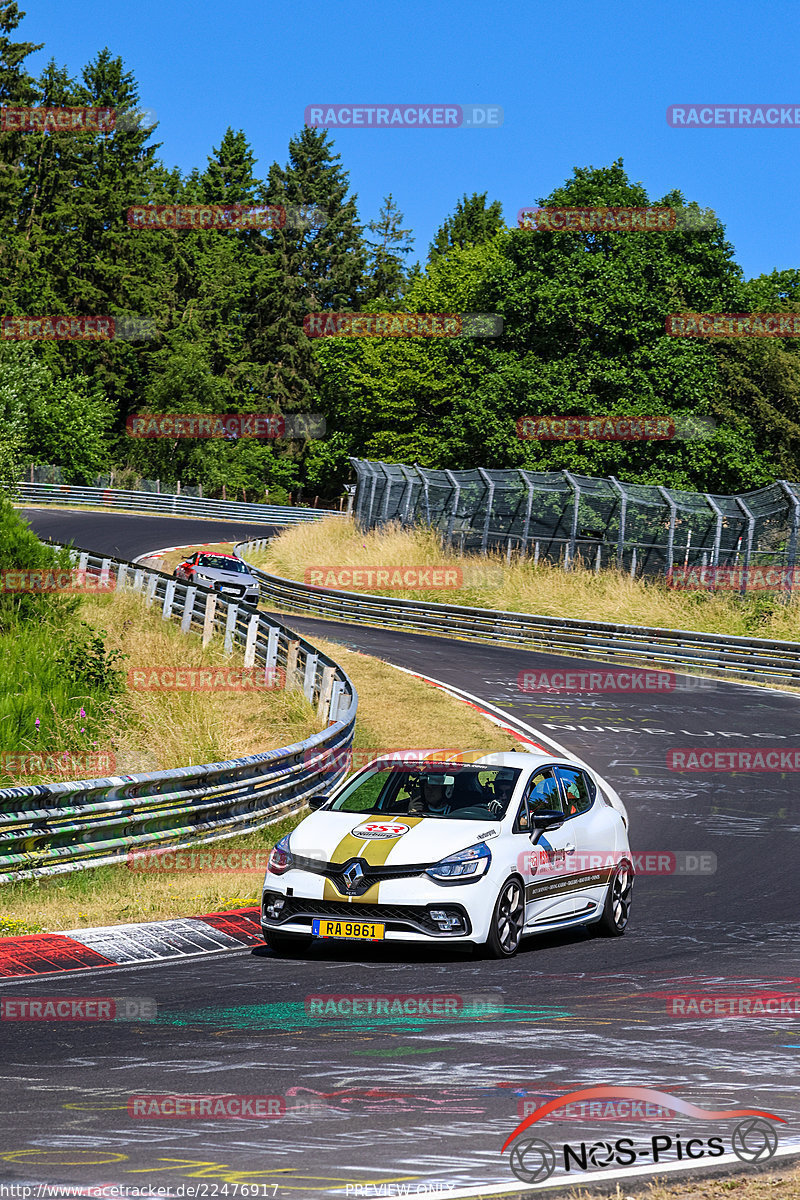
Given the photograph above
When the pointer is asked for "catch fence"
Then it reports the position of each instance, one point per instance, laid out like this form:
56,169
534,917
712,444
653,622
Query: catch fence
561,517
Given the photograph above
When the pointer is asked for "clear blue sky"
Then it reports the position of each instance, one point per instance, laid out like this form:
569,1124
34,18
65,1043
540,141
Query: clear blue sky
581,84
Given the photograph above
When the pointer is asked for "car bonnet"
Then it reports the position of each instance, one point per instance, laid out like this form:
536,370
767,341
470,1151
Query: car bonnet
385,841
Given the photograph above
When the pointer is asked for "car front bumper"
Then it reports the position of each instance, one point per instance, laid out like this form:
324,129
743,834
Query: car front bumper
406,907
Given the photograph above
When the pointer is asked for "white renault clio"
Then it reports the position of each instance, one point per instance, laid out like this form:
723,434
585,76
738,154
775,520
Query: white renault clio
481,849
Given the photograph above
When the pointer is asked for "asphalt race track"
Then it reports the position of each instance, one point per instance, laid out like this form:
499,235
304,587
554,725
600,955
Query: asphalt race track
424,1105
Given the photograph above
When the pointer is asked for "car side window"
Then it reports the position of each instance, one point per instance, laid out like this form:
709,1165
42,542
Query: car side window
579,790
541,792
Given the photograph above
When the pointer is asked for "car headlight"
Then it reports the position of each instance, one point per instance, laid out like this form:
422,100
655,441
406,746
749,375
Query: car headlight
280,858
463,866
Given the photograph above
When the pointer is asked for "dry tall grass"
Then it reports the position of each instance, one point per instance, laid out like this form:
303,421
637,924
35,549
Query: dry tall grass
520,587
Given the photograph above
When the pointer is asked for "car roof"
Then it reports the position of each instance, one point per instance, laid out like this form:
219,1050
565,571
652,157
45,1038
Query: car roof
519,759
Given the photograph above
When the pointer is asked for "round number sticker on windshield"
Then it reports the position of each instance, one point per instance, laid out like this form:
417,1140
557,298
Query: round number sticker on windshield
379,829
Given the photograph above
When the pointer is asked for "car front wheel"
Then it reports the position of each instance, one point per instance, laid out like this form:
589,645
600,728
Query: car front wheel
508,920
618,902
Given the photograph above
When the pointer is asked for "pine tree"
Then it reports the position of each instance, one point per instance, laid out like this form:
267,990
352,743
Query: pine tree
388,280
471,224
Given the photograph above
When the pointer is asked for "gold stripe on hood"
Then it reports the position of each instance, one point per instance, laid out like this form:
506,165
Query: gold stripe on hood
374,851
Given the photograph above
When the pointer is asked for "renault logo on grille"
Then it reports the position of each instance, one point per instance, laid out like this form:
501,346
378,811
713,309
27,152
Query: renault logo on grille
353,876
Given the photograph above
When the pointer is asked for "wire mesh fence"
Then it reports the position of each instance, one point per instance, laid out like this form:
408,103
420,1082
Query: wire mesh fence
564,518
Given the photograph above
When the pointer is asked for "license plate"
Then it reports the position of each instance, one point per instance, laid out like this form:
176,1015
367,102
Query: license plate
360,931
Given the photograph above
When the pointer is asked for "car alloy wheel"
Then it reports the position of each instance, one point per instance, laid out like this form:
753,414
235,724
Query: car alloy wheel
618,901
508,920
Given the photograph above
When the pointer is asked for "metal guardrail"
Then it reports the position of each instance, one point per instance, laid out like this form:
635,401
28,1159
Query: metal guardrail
166,505
57,827
753,659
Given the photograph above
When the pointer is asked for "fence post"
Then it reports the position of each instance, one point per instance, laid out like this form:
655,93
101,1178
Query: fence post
368,522
791,548
208,618
453,503
387,494
712,504
408,492
528,509
188,608
623,513
748,548
576,488
489,503
673,512
419,471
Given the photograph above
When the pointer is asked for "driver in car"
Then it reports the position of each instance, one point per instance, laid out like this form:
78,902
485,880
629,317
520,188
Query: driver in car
434,796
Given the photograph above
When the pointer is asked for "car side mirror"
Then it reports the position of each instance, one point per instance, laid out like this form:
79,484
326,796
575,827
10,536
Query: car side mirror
547,818
317,801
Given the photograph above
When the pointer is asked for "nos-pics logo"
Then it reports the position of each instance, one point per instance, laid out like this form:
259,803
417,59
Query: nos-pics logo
533,1160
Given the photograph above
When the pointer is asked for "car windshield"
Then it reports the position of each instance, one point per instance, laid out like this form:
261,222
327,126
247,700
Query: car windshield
451,790
219,563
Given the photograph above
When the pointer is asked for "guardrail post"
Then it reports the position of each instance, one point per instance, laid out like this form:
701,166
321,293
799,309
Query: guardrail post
105,571
83,561
673,513
230,627
138,580
188,608
325,690
208,618
122,576
291,662
489,502
169,596
336,694
250,642
309,675
623,513
573,537
152,584
271,654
